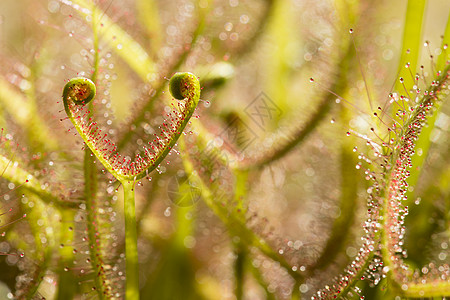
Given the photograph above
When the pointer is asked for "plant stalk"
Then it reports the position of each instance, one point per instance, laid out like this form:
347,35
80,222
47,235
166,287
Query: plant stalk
132,271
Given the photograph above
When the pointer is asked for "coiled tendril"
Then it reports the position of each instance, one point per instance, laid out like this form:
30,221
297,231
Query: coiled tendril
80,90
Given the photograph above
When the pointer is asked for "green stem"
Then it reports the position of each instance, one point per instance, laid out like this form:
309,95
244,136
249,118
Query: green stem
142,213
427,290
442,59
234,222
132,271
90,193
259,278
102,285
43,251
239,270
240,194
296,291
66,288
412,36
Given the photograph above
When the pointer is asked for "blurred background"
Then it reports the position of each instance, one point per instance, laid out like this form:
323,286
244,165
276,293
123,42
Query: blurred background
254,60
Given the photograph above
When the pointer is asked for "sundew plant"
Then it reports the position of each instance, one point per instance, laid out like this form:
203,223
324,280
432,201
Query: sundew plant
257,149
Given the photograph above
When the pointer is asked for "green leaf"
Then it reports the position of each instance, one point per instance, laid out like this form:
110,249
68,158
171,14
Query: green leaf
424,143
148,14
12,172
27,117
442,59
412,35
117,38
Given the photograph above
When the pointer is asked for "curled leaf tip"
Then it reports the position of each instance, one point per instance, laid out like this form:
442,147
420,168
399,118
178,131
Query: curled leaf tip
181,83
80,90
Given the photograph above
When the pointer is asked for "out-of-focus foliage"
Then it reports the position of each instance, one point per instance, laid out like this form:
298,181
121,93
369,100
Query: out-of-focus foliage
264,196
